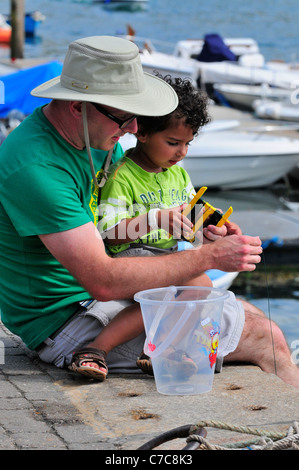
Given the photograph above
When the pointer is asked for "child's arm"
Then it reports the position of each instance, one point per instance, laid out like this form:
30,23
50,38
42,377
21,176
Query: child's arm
128,230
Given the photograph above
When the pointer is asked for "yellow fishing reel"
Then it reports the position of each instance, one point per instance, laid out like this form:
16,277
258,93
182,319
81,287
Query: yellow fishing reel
202,214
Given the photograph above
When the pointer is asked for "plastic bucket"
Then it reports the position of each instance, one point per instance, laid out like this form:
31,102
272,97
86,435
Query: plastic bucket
182,326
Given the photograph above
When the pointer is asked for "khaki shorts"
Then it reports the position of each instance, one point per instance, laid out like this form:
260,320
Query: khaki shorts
86,325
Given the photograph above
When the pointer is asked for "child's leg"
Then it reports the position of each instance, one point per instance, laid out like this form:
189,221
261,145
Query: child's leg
127,324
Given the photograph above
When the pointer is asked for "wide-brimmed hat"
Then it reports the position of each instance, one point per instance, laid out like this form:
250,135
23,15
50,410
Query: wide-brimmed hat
108,70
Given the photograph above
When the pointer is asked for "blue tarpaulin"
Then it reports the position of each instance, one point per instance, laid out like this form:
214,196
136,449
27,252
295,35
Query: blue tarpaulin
15,88
215,50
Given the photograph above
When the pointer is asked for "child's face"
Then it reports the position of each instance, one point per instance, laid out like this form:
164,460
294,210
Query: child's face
166,148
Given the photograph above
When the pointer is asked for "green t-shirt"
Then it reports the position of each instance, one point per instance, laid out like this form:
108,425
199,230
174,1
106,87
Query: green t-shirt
45,187
131,191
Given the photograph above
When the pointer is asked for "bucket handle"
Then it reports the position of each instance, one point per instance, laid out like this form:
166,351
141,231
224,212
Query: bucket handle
172,335
154,326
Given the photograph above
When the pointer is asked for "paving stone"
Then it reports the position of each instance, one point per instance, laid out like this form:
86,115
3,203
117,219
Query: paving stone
39,441
45,408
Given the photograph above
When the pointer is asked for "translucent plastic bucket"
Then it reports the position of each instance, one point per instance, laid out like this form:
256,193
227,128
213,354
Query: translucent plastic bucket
182,326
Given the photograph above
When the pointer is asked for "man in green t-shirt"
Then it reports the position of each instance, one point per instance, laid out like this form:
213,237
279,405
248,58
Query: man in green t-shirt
52,258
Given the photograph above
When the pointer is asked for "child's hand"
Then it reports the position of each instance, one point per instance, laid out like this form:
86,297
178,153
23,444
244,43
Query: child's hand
211,232
174,222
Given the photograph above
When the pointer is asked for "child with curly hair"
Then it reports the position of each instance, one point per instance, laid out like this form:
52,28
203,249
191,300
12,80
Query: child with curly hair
143,199
141,208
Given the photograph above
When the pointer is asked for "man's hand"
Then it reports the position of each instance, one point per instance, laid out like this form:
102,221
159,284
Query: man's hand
235,253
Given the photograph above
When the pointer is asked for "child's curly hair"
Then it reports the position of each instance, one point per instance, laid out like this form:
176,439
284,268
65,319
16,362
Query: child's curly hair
192,109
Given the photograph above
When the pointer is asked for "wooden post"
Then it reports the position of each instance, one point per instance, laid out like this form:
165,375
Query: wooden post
17,29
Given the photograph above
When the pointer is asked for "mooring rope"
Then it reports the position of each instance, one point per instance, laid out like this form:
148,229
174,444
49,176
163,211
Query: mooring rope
269,440
196,437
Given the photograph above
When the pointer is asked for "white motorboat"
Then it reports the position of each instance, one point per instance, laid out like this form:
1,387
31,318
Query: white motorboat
123,5
180,60
242,96
190,48
231,159
249,66
204,74
283,110
210,73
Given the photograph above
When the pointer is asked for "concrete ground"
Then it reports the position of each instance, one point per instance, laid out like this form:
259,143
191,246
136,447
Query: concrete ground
45,408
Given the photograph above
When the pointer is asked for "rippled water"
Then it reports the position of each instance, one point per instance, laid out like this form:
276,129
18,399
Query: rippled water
273,24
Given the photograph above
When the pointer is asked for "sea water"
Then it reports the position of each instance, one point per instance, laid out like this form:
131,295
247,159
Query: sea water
273,24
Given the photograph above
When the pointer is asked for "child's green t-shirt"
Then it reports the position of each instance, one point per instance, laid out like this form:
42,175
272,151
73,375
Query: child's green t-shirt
131,191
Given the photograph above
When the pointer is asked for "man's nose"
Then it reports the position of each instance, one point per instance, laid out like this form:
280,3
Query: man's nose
132,127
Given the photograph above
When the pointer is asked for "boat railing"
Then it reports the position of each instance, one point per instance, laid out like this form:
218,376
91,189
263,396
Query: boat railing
281,127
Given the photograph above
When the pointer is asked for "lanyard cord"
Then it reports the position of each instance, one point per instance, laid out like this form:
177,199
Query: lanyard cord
87,144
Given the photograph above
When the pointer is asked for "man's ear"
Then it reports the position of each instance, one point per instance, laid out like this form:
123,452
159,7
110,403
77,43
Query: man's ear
76,108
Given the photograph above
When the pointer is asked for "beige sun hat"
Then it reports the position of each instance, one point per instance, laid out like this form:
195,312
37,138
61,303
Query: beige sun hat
108,70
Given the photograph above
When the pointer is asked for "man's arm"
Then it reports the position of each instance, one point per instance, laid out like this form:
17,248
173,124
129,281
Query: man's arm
81,250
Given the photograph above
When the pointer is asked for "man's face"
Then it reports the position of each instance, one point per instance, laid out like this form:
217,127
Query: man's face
104,132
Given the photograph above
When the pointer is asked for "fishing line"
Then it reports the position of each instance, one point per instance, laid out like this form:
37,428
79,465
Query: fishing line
269,311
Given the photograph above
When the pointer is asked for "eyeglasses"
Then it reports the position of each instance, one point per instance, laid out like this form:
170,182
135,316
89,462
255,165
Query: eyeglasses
122,123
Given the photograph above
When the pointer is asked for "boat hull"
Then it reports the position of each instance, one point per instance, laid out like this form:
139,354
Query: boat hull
206,74
232,159
123,5
239,172
235,160
276,110
244,96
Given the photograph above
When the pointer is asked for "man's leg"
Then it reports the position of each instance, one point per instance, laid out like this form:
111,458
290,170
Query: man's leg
262,343
83,329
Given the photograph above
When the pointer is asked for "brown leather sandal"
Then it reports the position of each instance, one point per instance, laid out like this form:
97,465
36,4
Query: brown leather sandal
90,355
177,359
145,364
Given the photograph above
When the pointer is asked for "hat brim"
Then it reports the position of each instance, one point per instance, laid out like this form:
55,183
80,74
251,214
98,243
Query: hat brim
157,99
